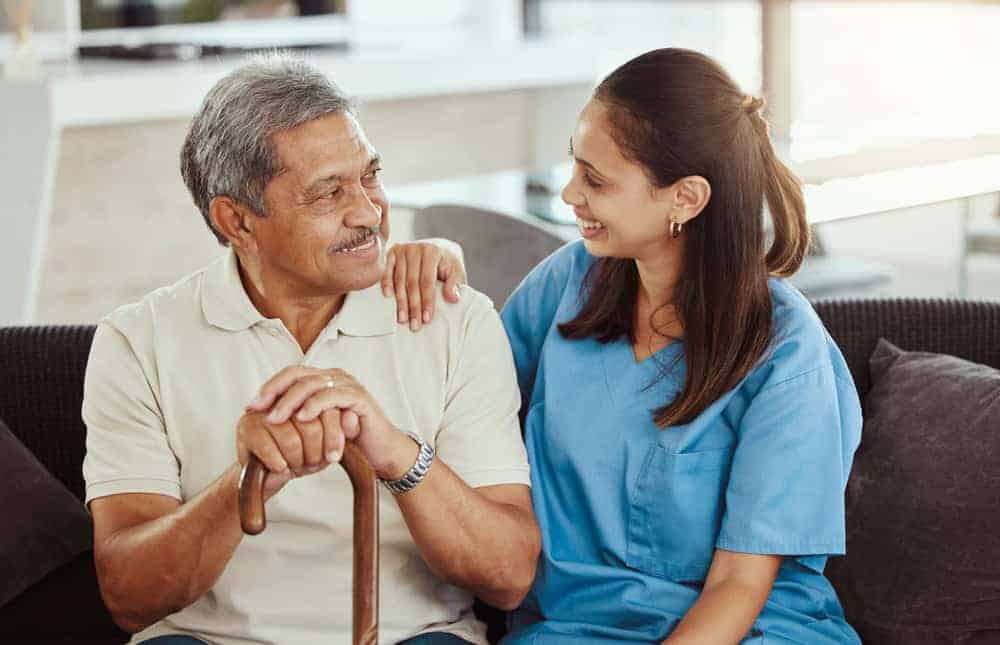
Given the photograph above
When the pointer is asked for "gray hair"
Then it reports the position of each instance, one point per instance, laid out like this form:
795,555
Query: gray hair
228,149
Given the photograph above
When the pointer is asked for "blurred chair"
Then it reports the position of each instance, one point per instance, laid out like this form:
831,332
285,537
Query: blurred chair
499,249
981,238
823,275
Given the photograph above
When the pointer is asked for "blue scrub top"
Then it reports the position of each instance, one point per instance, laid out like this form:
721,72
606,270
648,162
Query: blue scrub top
631,515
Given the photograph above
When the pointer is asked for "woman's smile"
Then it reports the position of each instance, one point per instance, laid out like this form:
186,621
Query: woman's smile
589,228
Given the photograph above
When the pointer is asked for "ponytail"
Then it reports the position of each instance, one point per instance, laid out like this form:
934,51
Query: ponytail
783,191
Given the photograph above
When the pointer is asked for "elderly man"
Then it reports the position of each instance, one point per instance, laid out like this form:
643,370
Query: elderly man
285,349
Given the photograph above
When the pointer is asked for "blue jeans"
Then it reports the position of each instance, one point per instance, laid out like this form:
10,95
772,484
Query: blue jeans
434,638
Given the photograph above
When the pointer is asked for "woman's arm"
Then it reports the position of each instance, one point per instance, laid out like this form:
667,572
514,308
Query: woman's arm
735,591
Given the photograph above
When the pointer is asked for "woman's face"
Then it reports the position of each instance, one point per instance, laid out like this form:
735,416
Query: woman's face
619,211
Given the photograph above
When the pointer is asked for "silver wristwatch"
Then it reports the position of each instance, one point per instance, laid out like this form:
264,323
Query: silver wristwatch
417,471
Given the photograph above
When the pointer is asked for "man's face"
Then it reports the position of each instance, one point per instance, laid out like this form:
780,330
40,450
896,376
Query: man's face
327,213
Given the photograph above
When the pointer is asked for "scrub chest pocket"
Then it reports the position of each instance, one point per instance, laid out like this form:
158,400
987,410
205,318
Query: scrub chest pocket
675,512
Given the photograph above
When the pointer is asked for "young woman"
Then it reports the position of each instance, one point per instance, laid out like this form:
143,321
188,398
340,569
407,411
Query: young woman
689,422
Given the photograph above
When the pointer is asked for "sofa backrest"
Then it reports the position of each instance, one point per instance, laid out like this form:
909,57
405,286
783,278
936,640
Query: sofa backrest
963,328
41,391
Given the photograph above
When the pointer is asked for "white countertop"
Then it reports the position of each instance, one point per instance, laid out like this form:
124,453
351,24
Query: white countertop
93,92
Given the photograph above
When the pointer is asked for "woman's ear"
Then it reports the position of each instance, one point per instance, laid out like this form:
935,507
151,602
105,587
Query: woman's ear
233,221
689,197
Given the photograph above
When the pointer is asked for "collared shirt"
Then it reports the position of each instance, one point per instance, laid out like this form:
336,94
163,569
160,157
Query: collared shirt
167,380
631,515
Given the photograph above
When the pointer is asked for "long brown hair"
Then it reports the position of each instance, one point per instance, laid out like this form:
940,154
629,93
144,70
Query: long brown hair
678,113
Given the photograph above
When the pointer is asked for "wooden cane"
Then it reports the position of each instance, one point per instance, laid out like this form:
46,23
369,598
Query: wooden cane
365,582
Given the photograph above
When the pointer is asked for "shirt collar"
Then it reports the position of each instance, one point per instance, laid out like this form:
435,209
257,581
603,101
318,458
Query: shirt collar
223,300
226,305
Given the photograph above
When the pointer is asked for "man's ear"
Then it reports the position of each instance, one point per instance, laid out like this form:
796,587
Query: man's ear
234,221
688,197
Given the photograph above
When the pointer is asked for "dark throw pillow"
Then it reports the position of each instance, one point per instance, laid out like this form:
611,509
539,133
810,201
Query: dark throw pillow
923,540
42,527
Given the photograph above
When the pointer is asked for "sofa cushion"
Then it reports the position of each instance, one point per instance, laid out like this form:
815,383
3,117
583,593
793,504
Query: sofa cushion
44,525
64,607
923,521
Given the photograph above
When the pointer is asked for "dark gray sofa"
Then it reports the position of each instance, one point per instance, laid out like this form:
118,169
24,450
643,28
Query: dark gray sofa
41,382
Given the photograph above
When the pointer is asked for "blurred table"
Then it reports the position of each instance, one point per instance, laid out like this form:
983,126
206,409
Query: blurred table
831,196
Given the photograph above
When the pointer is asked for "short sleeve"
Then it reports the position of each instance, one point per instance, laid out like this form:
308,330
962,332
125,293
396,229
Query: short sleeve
795,444
127,446
479,437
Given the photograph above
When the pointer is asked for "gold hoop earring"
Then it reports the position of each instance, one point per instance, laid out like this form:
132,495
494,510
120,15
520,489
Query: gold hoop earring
675,229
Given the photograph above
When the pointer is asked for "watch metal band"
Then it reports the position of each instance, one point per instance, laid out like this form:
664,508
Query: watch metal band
417,471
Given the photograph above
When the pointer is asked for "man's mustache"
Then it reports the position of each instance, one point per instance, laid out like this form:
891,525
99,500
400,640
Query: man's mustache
359,237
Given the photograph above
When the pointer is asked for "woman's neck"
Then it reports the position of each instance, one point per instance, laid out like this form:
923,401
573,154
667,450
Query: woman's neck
658,277
657,321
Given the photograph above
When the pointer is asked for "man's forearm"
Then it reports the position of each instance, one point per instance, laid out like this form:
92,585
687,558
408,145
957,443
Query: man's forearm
471,541
159,567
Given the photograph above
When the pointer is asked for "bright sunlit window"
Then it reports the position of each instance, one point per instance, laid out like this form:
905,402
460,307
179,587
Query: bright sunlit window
899,70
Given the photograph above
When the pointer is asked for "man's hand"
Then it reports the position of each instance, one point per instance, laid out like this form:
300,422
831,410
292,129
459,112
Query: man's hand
301,395
411,271
290,448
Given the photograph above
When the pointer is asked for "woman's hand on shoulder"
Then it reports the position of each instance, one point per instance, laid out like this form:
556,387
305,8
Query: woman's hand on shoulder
411,274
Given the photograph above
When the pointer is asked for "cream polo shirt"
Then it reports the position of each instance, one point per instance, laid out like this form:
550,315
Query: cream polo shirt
167,381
